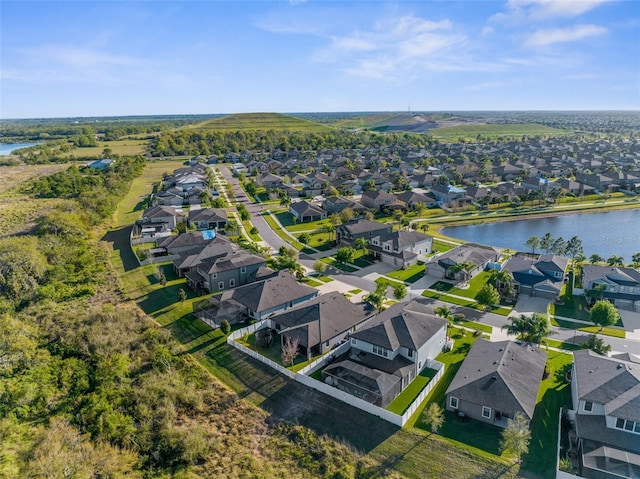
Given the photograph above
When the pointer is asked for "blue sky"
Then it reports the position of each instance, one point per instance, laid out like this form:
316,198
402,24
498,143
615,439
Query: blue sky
96,58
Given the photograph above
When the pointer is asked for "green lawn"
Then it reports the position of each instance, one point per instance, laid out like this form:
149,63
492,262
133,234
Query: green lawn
355,291
321,277
278,230
475,285
554,393
311,282
410,275
400,404
390,283
560,344
344,267
613,332
573,307
274,352
470,303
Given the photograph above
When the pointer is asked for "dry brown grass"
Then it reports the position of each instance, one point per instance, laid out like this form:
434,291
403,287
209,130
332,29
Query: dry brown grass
11,177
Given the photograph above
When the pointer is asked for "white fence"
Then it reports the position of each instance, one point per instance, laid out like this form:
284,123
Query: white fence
303,378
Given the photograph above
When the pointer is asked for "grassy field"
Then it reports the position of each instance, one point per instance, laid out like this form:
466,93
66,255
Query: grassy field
119,147
494,131
259,121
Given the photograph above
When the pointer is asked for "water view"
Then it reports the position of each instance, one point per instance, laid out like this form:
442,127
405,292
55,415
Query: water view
8,148
609,233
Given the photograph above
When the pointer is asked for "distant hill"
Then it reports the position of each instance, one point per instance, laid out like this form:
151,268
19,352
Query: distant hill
259,121
495,130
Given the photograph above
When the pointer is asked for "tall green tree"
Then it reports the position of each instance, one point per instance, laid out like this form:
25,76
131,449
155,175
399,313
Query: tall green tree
603,313
434,417
516,437
533,242
399,291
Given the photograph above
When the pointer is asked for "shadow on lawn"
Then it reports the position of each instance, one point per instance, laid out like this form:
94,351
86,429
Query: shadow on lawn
119,239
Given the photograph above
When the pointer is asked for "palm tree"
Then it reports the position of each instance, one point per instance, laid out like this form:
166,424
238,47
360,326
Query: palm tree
533,242
444,312
330,230
361,243
530,328
615,260
595,258
503,281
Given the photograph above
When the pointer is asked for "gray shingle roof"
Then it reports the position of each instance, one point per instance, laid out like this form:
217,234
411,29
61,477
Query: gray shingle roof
612,382
364,226
404,324
469,253
267,294
503,375
322,318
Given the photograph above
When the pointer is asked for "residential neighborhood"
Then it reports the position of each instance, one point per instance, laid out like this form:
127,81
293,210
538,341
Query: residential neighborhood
300,305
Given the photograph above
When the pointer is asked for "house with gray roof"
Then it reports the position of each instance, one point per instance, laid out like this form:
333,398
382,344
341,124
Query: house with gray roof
622,285
461,263
207,218
319,324
183,242
347,233
389,352
380,200
542,277
496,381
304,211
165,215
235,268
261,299
401,248
606,414
188,260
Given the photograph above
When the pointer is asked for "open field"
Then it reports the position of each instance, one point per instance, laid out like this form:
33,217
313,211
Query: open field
17,210
119,147
494,131
259,121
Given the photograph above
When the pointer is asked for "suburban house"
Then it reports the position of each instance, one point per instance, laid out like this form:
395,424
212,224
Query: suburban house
401,248
388,353
461,263
189,259
413,199
321,323
207,218
166,215
347,233
305,212
622,285
170,197
606,415
496,381
542,277
235,268
379,200
183,242
447,194
335,204
261,299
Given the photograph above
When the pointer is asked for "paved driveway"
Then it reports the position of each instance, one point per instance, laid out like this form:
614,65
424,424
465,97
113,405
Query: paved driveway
530,304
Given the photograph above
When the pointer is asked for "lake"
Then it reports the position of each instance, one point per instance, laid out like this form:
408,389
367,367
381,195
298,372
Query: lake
8,148
608,233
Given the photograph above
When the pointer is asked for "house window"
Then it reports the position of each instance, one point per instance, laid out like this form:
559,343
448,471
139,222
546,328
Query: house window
353,340
486,412
380,351
214,275
628,425
453,402
243,269
221,285
588,406
386,247
232,283
410,353
326,344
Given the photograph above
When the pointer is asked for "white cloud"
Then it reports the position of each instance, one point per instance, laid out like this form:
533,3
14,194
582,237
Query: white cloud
562,35
527,10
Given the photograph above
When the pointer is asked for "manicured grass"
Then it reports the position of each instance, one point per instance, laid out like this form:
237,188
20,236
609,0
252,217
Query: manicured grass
503,311
560,344
344,267
616,333
386,281
410,275
311,282
485,328
278,230
554,393
274,352
442,246
355,291
475,285
247,227
400,404
323,278
573,307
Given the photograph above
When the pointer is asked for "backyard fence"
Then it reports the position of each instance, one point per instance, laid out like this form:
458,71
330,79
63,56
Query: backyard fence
303,377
